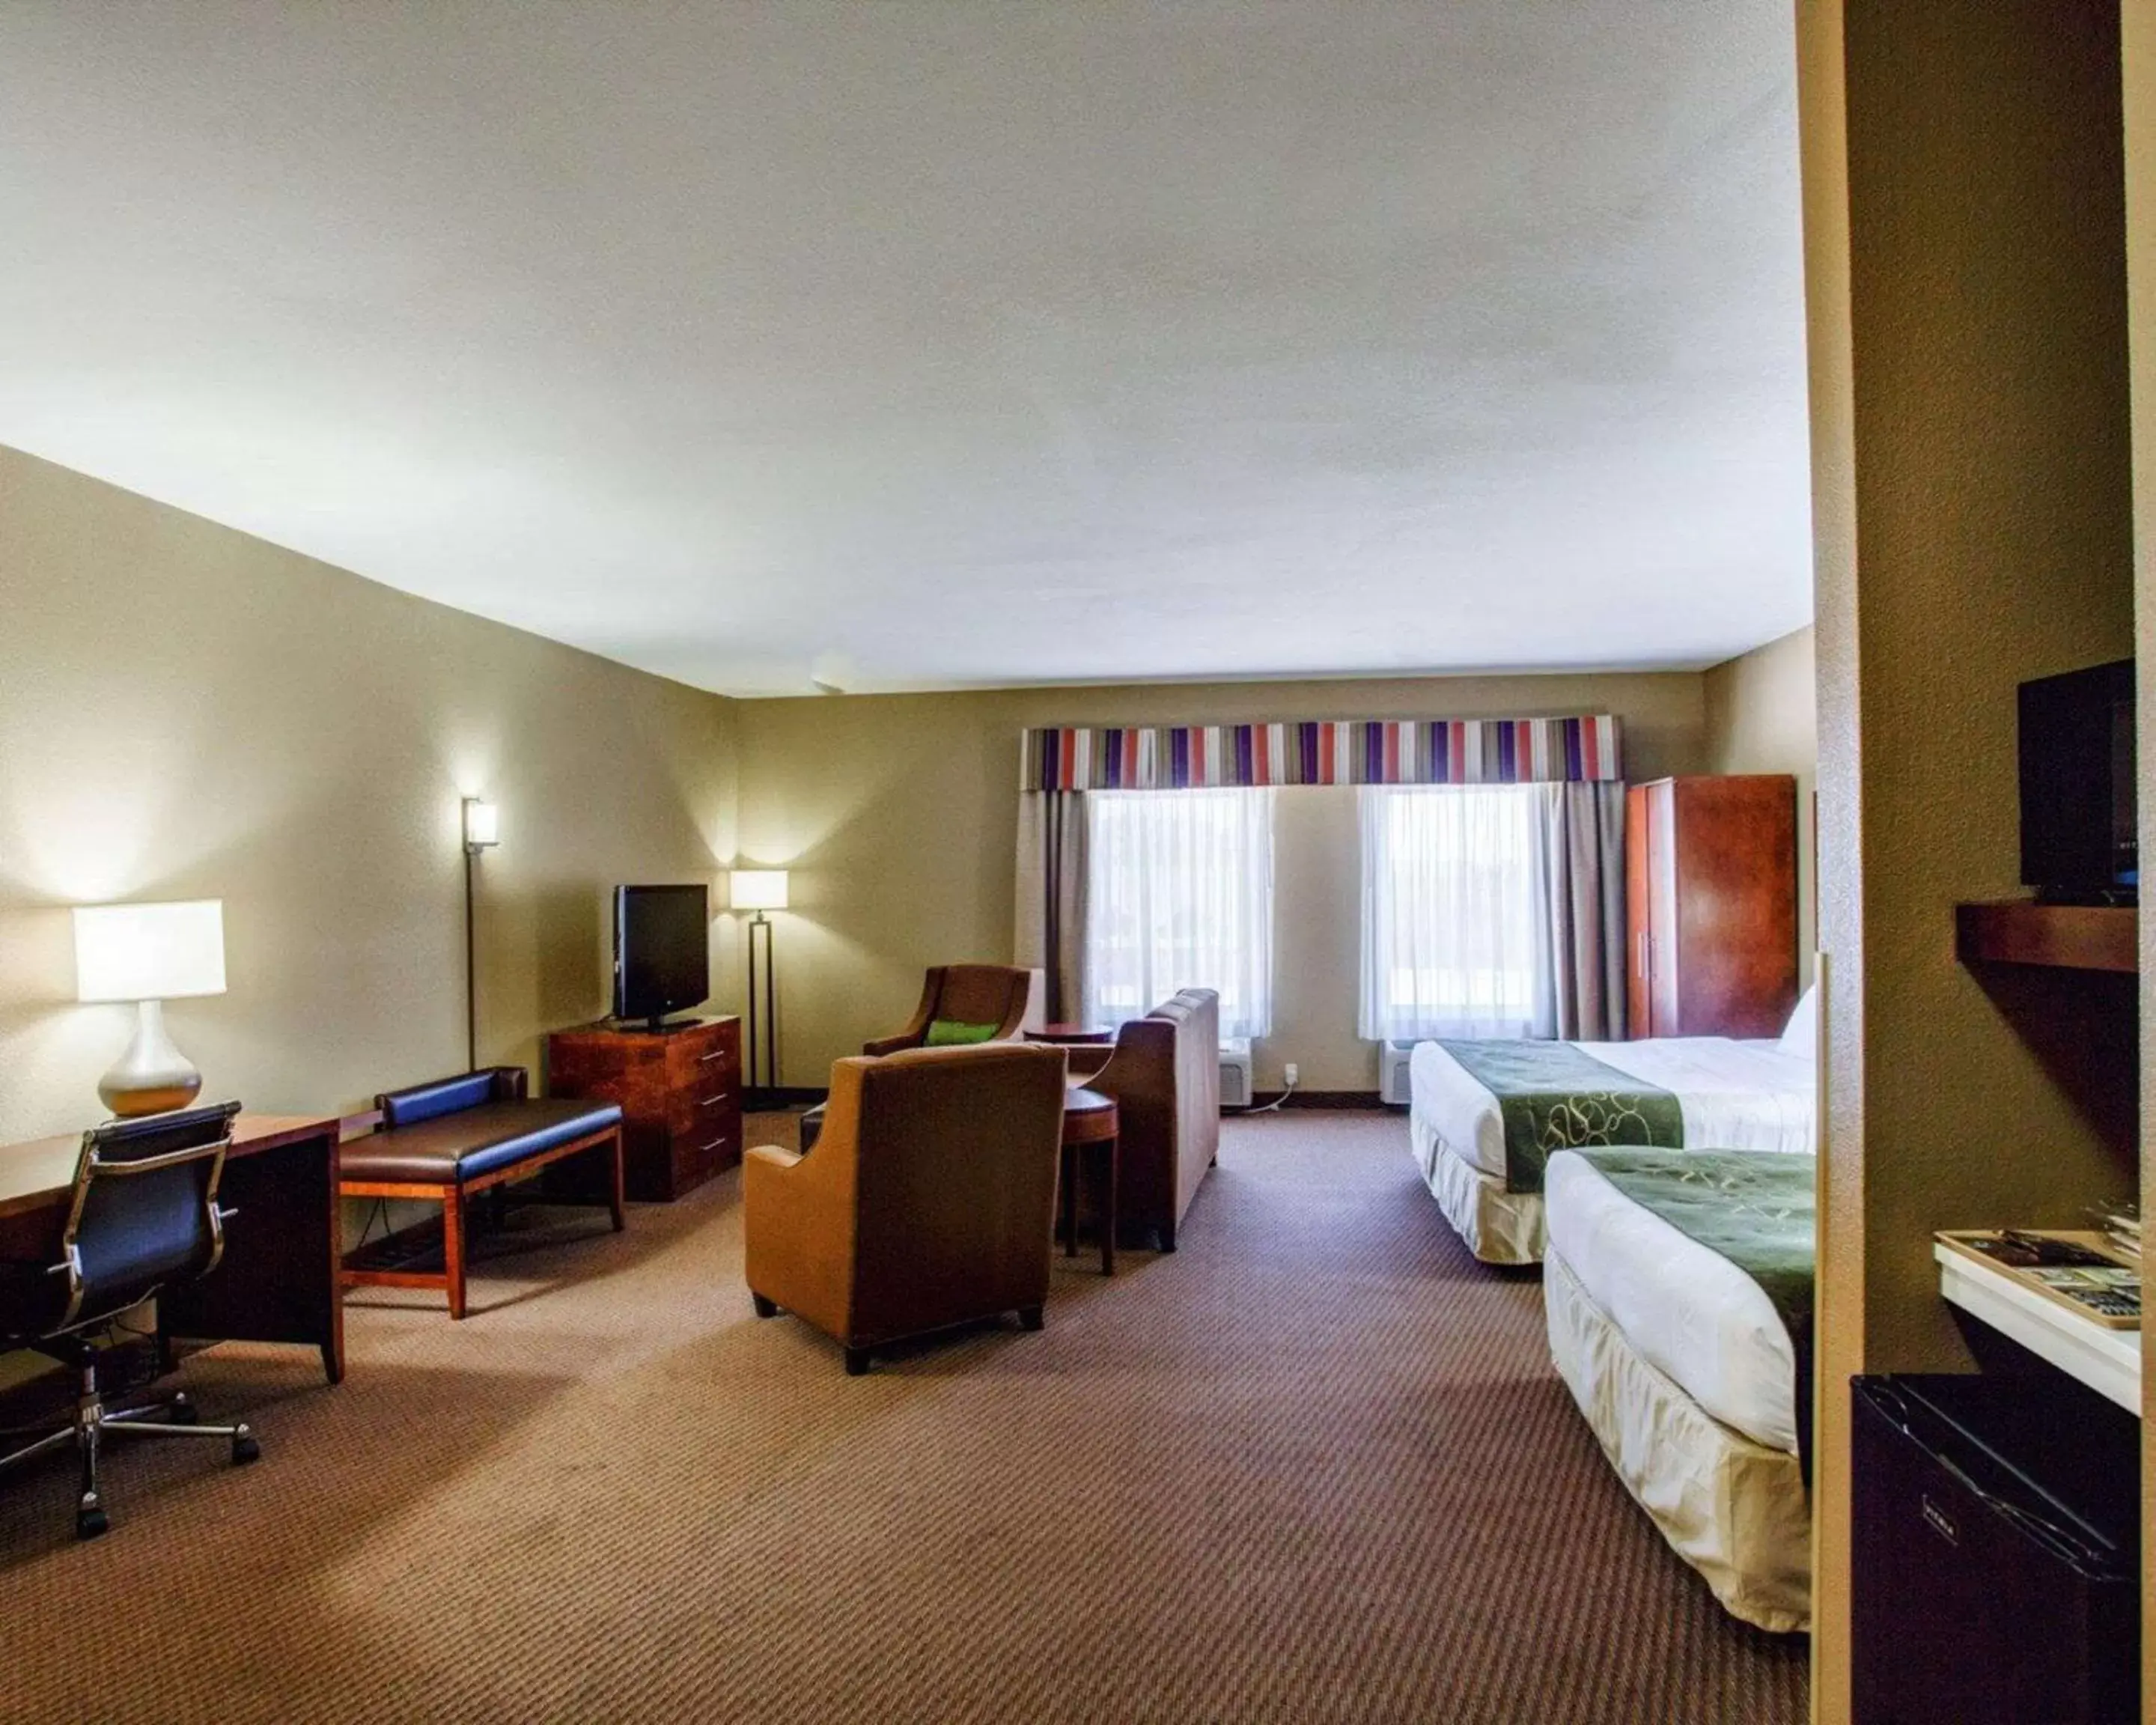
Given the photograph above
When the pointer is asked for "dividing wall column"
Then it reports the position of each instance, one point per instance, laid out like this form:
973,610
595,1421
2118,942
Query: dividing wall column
1967,310
2137,83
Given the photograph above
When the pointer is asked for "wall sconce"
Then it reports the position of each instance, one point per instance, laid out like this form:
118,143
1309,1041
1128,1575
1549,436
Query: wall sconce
482,832
482,826
149,954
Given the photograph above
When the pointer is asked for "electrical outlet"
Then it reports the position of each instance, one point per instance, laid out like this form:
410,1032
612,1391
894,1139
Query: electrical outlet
1289,1070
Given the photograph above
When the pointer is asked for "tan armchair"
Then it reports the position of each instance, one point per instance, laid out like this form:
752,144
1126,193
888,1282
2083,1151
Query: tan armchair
964,994
1164,1073
929,1201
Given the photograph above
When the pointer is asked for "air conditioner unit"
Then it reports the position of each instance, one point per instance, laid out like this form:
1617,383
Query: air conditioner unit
1393,1084
1235,1073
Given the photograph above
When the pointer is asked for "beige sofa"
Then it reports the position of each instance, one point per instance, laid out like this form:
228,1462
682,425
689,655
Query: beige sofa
1164,1073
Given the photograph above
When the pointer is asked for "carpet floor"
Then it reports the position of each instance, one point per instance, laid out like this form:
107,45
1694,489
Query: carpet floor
1314,1466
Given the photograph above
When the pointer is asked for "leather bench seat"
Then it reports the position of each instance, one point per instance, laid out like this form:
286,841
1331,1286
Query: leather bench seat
472,1142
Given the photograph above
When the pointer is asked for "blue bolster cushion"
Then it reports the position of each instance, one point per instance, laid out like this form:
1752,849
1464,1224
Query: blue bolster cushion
430,1101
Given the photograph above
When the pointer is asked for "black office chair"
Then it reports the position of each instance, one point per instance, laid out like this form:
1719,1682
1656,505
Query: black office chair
145,1216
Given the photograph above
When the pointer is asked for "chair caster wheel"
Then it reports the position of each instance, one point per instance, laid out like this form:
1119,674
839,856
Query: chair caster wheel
765,1308
244,1449
88,1523
182,1412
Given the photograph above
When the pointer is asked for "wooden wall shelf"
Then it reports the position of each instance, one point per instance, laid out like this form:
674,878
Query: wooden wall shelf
2065,936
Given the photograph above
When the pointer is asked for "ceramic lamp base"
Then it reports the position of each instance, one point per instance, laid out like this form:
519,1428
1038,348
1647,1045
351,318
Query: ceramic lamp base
151,1076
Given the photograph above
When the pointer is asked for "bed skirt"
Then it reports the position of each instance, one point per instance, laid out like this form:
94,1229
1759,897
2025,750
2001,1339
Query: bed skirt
1734,1509
1499,1227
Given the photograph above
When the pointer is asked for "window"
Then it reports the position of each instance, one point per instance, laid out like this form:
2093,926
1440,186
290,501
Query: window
1453,940
1180,895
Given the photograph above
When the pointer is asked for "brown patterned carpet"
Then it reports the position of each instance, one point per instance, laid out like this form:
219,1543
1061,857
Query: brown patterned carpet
1315,1466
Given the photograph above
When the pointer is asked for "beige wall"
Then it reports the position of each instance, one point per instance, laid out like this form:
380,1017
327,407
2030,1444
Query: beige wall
1762,716
898,814
194,712
191,712
1967,324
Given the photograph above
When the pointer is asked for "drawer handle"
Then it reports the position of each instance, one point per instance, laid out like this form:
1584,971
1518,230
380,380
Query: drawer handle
717,1054
714,1101
715,1143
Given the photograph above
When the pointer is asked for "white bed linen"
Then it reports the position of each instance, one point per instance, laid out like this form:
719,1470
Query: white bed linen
1734,1095
1499,1227
1736,1510
1685,1308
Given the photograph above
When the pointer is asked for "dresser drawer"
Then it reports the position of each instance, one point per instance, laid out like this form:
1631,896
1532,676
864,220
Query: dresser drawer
703,1154
694,1061
710,1106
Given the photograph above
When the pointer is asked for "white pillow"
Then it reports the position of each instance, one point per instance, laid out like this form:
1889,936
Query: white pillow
1801,1037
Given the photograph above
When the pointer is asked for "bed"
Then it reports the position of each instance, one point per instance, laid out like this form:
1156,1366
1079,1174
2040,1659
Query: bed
1694,1374
1468,1125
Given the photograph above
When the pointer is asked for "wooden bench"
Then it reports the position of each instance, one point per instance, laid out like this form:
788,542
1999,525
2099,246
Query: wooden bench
446,1142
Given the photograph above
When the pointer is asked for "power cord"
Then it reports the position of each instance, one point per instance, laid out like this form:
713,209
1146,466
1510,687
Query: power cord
1278,1101
380,1213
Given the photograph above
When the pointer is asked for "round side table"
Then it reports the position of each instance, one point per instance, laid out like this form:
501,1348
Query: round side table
1071,1036
1089,1123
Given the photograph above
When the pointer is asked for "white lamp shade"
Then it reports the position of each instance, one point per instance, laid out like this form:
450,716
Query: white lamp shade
759,888
149,951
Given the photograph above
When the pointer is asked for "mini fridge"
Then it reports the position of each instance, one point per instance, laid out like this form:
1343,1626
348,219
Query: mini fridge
1995,1553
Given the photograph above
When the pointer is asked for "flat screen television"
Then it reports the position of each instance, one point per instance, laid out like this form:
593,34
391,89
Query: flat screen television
662,950
2077,799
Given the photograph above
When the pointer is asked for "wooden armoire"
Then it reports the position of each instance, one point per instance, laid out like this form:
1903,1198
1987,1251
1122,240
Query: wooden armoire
1711,906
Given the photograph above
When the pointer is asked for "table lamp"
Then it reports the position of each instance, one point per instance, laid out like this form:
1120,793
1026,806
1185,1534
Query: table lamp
149,954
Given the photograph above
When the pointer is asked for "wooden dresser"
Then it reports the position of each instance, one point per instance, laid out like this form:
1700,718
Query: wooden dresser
1711,906
680,1091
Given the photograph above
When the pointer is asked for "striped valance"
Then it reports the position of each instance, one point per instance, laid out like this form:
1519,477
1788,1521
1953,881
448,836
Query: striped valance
1349,752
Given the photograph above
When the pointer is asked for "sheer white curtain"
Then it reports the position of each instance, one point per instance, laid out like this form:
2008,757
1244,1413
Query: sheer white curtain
1455,931
1179,894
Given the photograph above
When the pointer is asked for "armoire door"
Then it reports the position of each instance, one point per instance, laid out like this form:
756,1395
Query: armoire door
1664,956
1735,875
1638,976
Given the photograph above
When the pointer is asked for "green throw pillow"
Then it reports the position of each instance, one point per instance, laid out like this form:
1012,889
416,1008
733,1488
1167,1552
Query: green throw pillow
949,1033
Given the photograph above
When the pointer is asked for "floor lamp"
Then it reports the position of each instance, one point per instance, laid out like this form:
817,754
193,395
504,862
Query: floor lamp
762,890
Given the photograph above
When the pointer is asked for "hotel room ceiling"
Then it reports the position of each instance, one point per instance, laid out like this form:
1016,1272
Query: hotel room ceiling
940,343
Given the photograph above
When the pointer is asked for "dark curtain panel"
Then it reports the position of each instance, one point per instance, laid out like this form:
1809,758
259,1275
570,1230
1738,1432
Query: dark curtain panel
1050,934
1583,843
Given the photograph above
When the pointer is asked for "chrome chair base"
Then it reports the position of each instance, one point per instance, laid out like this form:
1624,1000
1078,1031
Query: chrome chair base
164,1416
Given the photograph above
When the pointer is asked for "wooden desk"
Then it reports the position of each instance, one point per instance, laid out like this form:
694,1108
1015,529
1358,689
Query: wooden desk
279,1280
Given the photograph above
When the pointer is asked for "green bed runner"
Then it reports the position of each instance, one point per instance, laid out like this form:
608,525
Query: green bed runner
1554,1097
1758,1210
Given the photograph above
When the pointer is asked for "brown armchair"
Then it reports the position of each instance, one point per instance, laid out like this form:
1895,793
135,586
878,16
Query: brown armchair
1164,1073
929,1202
964,994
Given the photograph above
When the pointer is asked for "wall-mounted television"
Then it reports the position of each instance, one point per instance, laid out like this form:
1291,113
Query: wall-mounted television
2078,842
662,954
